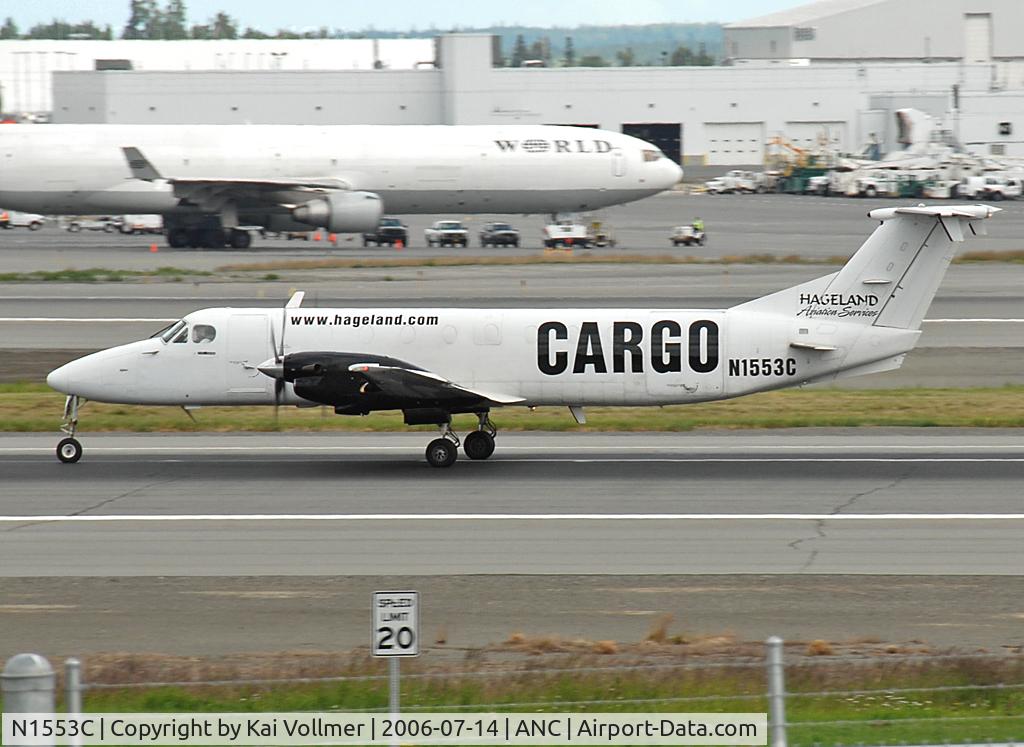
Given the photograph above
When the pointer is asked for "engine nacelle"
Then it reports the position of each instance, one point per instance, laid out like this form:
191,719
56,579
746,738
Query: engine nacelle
342,212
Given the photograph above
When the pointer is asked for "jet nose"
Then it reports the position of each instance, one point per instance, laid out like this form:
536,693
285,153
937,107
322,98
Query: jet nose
675,172
60,379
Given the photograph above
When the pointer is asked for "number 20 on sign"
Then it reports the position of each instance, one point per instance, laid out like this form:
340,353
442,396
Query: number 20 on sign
396,623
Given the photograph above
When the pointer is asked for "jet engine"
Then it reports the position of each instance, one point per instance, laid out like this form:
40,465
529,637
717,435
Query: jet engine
342,212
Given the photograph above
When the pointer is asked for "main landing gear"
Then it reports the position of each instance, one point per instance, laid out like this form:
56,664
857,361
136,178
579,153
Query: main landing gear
479,444
69,450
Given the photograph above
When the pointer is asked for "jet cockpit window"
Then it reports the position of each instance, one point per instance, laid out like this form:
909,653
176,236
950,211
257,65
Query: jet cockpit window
182,336
653,155
167,333
203,333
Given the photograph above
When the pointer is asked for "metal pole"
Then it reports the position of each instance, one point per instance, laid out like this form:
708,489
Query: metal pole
73,692
28,683
394,670
776,693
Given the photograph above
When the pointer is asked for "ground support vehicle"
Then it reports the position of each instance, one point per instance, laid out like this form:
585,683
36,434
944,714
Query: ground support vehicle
565,234
499,234
687,235
447,233
15,219
389,231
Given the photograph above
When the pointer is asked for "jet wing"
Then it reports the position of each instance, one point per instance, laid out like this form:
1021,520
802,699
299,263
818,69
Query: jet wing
415,384
212,192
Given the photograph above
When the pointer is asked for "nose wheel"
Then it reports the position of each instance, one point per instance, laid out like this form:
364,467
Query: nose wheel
69,450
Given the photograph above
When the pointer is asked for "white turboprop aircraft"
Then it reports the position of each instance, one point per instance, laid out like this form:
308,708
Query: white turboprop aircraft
431,363
208,181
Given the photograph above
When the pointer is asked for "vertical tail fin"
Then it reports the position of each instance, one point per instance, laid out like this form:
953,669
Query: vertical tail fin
893,277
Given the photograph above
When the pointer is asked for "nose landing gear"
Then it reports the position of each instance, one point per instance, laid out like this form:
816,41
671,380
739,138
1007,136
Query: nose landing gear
69,450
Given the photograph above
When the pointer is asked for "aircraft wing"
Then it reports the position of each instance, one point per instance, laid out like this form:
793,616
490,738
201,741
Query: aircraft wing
410,383
212,192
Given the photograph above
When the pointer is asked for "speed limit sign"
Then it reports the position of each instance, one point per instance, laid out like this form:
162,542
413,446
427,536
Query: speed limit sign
396,623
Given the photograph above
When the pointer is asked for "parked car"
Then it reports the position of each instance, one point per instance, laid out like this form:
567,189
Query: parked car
389,231
736,180
565,234
499,234
136,224
14,219
105,223
447,233
687,235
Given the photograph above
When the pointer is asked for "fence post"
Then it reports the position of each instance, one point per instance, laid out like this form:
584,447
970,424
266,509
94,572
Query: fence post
776,693
28,684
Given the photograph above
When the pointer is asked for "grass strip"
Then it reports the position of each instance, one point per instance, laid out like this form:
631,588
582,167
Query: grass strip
582,257
98,275
885,714
33,407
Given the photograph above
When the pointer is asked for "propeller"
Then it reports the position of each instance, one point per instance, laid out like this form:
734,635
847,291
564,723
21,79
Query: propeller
275,368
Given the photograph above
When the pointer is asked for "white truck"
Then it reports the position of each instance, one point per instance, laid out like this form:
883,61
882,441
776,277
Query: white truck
566,233
990,187
447,233
736,180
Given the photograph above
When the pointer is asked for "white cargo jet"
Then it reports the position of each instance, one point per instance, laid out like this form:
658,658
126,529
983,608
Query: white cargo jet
431,363
209,181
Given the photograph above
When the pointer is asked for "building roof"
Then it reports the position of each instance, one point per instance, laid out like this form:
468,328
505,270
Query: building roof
804,14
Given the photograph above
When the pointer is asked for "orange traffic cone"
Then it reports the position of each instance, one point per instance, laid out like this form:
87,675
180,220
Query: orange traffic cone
399,244
154,248
333,238
316,236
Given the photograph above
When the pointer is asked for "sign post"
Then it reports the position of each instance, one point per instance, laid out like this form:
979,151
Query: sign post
396,633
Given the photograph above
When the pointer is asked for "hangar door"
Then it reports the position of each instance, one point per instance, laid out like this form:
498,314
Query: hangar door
734,143
665,135
977,37
813,136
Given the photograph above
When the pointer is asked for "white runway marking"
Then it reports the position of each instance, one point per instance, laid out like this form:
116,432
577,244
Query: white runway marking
124,518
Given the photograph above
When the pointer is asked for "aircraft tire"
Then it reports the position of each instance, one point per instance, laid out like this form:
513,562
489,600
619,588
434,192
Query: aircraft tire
177,238
239,239
69,450
478,445
441,453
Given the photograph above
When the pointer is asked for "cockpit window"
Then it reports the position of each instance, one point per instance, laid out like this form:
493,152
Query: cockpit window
183,335
653,155
168,333
203,333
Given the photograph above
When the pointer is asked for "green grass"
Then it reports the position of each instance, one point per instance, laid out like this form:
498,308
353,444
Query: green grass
33,407
98,275
880,716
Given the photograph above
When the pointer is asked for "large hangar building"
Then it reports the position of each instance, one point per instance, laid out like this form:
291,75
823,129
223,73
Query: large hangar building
832,71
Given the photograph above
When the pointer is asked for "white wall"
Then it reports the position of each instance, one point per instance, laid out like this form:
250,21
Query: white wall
26,67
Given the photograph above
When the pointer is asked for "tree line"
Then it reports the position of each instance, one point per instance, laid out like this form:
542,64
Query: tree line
586,46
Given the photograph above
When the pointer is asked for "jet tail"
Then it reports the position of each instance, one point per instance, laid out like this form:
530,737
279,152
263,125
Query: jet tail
892,279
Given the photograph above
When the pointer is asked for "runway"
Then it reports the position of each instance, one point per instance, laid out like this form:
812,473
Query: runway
878,501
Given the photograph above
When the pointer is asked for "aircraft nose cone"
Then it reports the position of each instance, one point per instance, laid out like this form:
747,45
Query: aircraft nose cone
676,173
59,379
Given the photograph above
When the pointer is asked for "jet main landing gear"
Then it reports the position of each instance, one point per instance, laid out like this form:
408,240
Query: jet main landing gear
69,450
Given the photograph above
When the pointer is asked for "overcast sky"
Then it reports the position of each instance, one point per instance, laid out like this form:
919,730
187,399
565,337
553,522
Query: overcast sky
404,14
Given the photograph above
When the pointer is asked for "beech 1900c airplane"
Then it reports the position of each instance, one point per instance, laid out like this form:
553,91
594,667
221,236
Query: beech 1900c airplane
434,362
210,181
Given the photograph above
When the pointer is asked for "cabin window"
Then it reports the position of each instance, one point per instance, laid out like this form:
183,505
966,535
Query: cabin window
652,155
203,333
